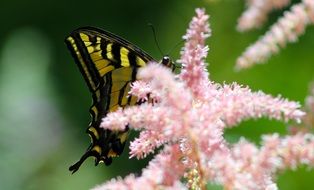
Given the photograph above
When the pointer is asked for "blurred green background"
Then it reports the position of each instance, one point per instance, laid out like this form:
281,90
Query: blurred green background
44,101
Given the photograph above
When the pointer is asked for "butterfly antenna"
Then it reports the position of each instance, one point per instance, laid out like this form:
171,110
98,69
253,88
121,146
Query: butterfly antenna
176,65
174,47
155,38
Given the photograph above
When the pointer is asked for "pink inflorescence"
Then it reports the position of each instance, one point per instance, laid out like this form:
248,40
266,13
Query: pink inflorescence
194,52
286,29
187,124
257,11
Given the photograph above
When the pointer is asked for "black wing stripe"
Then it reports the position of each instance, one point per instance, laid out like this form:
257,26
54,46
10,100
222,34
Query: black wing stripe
92,39
115,50
132,59
103,47
107,90
121,94
79,63
87,59
134,72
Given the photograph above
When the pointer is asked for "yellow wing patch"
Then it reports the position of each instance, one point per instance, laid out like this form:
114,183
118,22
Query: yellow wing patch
124,57
109,53
84,37
105,70
94,131
101,63
140,62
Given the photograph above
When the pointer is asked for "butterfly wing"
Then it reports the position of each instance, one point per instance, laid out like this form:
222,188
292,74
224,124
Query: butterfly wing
109,65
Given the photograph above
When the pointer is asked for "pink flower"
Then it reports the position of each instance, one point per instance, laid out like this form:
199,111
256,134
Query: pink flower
194,52
287,29
163,172
237,103
257,11
249,167
147,142
187,124
144,92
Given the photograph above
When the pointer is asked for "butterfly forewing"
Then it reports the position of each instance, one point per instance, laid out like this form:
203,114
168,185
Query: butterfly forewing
109,65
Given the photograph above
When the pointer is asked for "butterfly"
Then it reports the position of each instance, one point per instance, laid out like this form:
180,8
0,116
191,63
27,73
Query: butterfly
109,65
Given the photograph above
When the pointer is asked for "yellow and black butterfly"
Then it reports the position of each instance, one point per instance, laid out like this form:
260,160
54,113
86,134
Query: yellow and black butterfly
109,65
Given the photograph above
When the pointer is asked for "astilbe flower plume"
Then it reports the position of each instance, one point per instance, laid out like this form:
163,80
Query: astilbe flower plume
257,11
187,124
286,30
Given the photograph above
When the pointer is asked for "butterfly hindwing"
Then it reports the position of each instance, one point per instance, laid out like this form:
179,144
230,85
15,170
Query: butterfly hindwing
109,65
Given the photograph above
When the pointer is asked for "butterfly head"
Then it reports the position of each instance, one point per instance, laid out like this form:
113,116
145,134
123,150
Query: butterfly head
166,61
